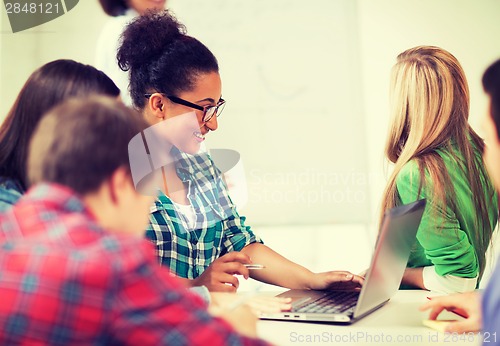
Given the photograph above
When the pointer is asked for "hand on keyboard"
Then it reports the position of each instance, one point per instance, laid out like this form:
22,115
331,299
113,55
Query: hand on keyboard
336,280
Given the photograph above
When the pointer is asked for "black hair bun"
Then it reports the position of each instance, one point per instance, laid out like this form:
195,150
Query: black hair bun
147,37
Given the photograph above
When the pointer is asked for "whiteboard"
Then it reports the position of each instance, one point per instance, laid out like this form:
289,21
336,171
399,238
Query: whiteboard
291,77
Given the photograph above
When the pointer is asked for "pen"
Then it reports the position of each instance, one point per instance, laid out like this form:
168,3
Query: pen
254,266
456,311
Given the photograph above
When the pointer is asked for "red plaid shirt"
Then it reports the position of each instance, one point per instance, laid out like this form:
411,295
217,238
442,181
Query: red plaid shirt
66,281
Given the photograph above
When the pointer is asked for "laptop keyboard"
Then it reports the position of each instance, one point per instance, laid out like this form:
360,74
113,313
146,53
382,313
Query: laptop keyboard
331,303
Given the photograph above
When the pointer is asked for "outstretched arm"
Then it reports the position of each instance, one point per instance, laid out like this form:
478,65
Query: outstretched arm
283,272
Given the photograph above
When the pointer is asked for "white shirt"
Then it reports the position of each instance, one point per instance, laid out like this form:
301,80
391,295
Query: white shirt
187,213
447,284
107,47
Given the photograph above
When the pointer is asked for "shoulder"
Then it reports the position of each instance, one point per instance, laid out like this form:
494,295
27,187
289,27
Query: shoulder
103,260
132,260
10,192
409,183
198,165
112,30
123,253
453,155
118,23
95,269
409,173
11,185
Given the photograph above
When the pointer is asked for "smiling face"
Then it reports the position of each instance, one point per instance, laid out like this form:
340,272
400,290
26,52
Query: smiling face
190,129
141,6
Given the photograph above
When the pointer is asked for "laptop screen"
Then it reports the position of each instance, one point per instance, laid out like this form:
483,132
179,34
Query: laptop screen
396,237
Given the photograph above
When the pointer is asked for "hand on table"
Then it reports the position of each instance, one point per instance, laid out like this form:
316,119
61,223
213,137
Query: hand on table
241,318
258,303
470,303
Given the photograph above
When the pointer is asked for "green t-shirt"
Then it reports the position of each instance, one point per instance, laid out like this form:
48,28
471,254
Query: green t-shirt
445,237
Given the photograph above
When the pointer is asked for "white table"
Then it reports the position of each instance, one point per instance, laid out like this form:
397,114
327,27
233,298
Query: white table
399,322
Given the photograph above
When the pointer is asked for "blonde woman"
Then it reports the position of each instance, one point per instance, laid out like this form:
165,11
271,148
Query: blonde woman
437,156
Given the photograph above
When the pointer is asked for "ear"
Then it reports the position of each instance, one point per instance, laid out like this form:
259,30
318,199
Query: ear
156,105
118,185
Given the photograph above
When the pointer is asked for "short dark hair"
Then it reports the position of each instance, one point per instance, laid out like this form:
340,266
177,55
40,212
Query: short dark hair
82,142
491,85
49,85
114,7
161,57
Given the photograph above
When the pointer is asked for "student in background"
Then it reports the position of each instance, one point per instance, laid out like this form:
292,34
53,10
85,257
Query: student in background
198,232
122,12
75,266
487,315
437,156
49,85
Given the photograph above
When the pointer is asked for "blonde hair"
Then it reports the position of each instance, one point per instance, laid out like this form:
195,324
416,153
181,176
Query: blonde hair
430,110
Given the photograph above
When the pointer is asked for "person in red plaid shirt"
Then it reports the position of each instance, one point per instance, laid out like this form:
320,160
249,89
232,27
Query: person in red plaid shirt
74,266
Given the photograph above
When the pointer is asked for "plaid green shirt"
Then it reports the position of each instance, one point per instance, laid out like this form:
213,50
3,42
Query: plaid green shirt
218,229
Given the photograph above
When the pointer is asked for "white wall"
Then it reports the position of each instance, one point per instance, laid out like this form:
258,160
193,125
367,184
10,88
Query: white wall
290,75
291,78
71,36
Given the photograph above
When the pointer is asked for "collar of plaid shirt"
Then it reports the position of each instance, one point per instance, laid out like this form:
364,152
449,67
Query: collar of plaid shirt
201,177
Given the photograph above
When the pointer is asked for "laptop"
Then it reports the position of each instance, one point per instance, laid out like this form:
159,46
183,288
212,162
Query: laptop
382,280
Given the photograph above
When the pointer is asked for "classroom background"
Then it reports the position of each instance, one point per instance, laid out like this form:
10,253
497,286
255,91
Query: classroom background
307,90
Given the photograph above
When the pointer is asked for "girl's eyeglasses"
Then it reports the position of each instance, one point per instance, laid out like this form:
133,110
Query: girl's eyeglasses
208,111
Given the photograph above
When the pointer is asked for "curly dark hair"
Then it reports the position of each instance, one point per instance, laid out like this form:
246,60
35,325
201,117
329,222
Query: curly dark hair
161,57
